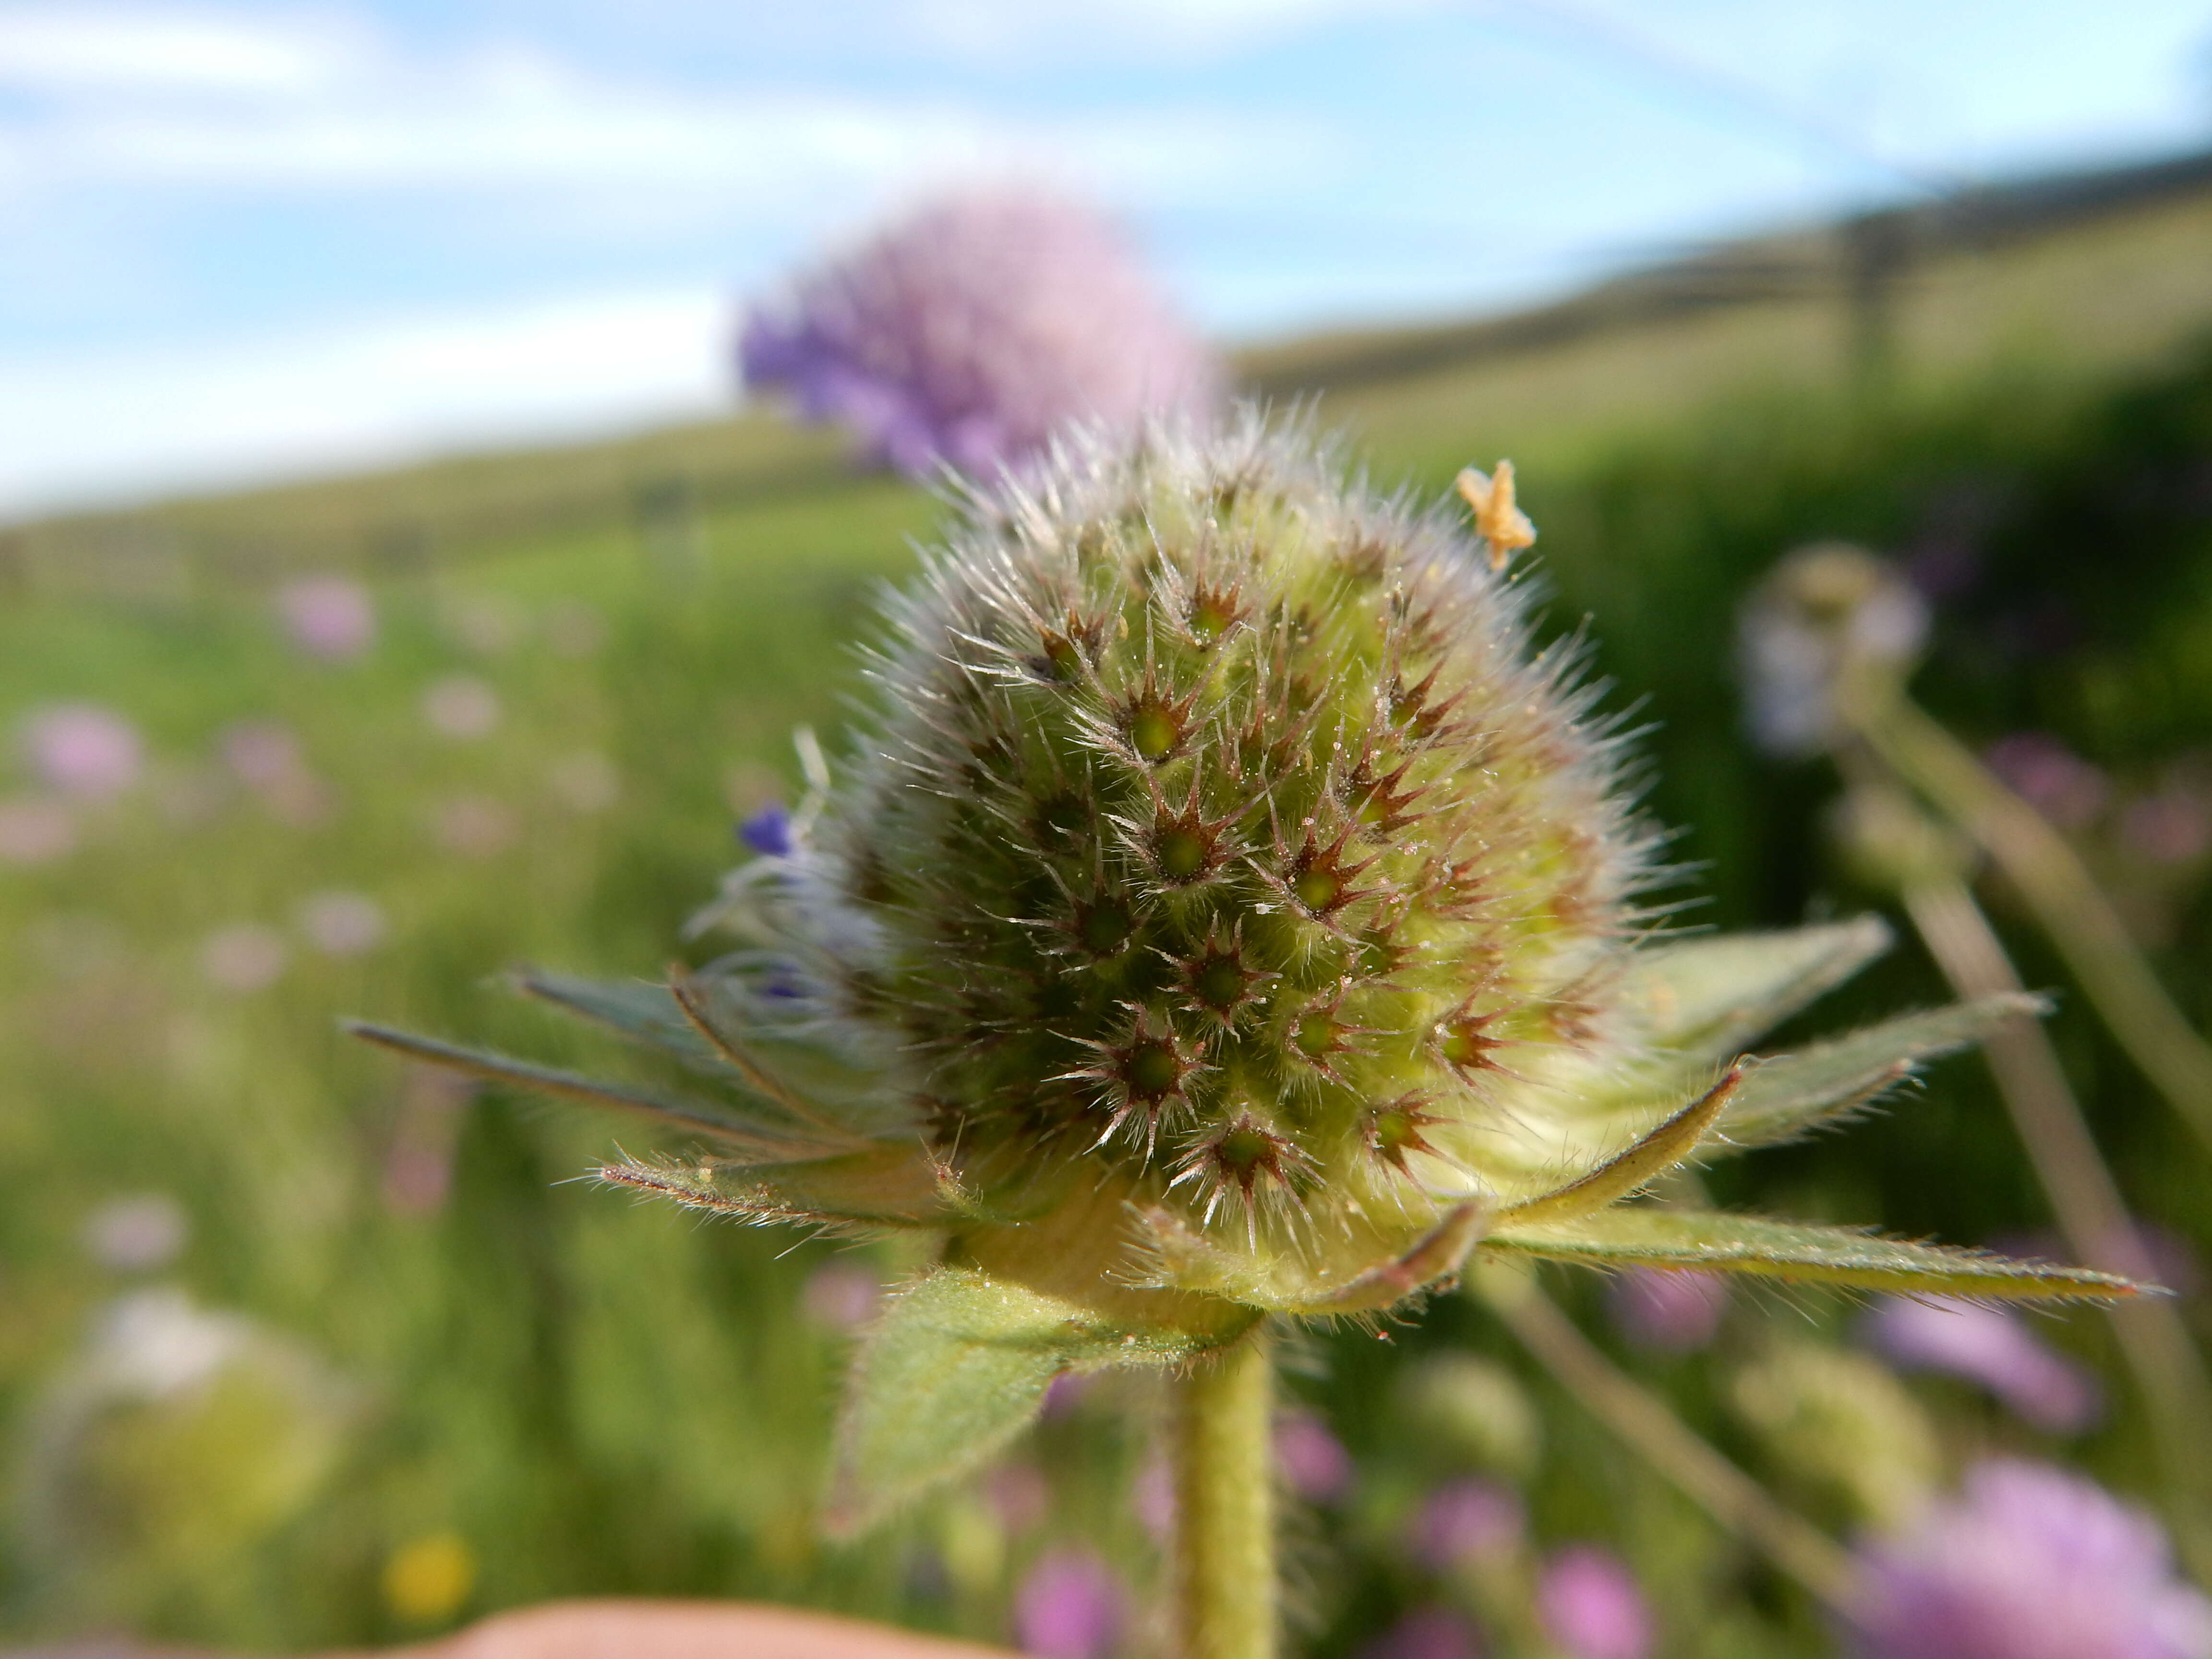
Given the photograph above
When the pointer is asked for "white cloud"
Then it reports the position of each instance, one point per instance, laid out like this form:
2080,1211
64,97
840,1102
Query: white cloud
71,428
79,48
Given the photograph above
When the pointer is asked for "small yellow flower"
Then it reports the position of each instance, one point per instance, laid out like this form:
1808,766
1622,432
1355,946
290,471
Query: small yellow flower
1505,526
427,1580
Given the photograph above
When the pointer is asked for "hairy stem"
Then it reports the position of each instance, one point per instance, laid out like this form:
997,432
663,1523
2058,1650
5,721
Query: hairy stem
1225,1502
2168,1372
2077,916
1739,1504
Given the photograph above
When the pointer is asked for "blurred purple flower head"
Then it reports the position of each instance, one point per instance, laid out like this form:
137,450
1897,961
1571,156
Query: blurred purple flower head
1674,1311
1426,1633
2172,826
968,332
842,1295
1064,1396
35,830
137,1233
1019,1495
1153,1496
82,749
1465,1521
767,831
461,705
1069,1606
1591,1605
1313,1462
342,924
1991,1347
331,617
244,957
2033,1562
2050,777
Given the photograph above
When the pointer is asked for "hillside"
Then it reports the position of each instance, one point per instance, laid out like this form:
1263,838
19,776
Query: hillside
2064,278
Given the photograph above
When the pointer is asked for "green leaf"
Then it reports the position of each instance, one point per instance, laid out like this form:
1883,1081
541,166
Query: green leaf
1709,996
957,1365
1652,1156
1786,1095
1636,1236
764,1142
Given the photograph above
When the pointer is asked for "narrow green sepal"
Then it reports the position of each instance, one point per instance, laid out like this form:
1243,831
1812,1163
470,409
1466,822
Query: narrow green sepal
643,1013
955,1366
1783,1098
1180,1257
1712,995
882,1186
1667,1144
763,1141
1637,1237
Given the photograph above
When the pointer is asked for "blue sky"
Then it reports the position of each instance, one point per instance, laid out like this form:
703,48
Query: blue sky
251,239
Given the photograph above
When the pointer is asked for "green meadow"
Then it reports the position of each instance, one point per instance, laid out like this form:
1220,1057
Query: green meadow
567,1394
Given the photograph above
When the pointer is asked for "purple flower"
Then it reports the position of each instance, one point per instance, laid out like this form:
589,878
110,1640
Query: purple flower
2050,777
1426,1633
1465,1521
331,617
34,829
1019,1495
2031,1563
1591,1605
2173,826
1674,1310
1064,1396
1991,1347
767,831
83,750
1069,1606
1313,1462
969,332
842,1295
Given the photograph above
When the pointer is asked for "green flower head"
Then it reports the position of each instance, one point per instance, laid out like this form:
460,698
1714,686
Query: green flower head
1227,910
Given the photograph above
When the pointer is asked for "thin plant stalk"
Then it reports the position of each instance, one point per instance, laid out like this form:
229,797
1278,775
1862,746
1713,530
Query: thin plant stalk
2080,922
2091,1213
1225,1504
1738,1503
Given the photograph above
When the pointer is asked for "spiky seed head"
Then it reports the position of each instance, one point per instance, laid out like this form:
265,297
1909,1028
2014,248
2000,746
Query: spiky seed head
1308,840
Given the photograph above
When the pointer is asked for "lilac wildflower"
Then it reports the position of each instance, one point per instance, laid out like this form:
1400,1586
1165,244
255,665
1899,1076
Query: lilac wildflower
2033,1562
842,1295
767,831
969,332
342,924
1991,1347
83,751
1153,1496
329,617
1069,1606
34,829
1427,1633
1064,1397
1467,1521
1591,1605
245,956
2050,777
461,705
137,1233
1313,1462
1671,1310
2173,826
